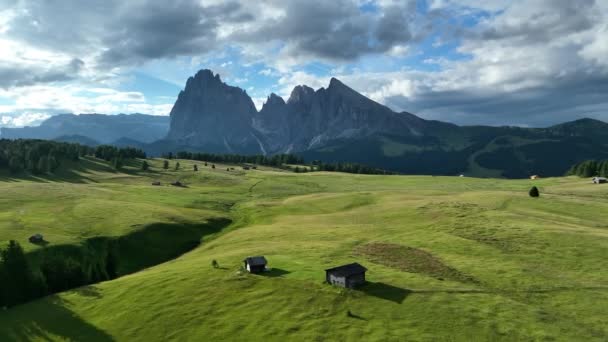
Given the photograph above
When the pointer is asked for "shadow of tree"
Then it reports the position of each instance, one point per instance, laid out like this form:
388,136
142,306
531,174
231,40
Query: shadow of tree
385,291
47,320
42,243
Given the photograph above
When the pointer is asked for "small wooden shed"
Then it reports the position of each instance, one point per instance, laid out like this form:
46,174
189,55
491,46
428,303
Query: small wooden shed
600,180
255,264
349,276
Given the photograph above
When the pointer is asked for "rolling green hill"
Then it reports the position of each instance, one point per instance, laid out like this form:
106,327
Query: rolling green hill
449,258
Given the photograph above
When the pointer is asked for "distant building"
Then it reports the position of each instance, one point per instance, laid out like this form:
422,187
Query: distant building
36,238
157,183
349,276
534,177
599,180
255,264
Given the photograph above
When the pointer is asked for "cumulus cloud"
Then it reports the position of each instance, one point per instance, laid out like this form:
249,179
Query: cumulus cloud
532,62
331,30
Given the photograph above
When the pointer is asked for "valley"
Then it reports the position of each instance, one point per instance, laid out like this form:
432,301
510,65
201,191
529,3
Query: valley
448,258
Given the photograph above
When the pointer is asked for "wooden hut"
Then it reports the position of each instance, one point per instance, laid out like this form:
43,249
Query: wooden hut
349,276
255,264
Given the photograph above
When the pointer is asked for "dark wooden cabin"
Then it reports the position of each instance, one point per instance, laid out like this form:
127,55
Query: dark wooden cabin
349,276
599,180
36,238
255,264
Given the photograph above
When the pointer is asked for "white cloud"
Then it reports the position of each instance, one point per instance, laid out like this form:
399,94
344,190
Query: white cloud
31,103
23,119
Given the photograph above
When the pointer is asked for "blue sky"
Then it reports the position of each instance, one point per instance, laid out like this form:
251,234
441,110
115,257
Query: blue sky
495,62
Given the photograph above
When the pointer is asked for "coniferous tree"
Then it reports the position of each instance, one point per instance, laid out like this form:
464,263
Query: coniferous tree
176,166
165,164
534,192
18,281
43,166
117,163
145,166
195,167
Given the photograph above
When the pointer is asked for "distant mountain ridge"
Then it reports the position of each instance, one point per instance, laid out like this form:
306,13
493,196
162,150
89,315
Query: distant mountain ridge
104,129
333,124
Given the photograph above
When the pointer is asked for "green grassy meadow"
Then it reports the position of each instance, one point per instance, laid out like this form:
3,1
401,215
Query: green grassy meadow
448,258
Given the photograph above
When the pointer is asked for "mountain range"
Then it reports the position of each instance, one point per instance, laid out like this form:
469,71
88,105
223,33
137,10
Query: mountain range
91,129
336,124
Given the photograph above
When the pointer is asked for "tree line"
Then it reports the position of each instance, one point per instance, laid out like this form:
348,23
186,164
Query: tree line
349,168
276,160
279,161
590,168
44,156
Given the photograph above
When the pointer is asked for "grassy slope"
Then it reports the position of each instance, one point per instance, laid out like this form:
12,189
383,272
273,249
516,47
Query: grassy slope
537,264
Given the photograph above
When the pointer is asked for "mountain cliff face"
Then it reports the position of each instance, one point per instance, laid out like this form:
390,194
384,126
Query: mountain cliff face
208,113
337,124
100,128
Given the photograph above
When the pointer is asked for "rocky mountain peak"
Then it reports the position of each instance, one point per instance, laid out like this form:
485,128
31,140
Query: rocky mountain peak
301,94
334,82
210,113
274,100
204,79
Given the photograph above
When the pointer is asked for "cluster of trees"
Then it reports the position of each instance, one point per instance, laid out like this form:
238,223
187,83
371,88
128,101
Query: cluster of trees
590,168
57,271
37,156
44,156
276,160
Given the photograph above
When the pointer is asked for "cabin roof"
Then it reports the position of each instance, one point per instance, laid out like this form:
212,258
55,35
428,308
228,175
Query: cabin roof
347,270
256,261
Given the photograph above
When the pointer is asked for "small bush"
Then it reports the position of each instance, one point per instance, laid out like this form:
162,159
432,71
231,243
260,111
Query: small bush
534,192
215,264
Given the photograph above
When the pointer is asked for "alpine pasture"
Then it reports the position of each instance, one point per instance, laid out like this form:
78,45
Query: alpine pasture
448,258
